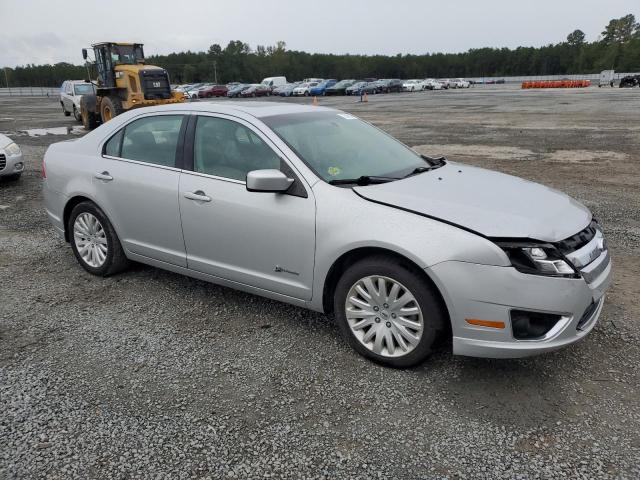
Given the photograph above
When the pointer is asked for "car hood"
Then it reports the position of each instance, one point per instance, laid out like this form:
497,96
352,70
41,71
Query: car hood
4,141
490,203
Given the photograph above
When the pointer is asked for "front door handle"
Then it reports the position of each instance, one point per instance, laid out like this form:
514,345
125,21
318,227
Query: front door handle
198,196
104,176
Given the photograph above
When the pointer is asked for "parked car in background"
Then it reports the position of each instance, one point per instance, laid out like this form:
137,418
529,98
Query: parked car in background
71,93
321,88
304,89
413,85
461,83
431,84
256,90
213,91
340,87
359,88
389,85
402,249
237,90
192,91
285,90
11,161
274,82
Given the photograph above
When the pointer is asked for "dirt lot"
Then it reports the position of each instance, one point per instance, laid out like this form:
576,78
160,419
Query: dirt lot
153,375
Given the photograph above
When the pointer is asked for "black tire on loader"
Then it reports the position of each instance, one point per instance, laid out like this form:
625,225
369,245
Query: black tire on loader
110,107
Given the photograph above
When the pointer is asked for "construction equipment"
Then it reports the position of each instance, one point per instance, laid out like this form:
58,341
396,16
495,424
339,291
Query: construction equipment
124,82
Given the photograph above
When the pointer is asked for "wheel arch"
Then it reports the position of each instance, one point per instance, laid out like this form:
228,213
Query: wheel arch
70,205
349,258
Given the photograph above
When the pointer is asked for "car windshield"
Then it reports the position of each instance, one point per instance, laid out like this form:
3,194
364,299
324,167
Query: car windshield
339,146
83,89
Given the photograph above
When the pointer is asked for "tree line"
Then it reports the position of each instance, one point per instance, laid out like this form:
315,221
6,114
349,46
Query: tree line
618,48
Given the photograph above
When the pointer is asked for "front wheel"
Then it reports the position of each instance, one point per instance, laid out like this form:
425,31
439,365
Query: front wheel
64,110
388,312
94,241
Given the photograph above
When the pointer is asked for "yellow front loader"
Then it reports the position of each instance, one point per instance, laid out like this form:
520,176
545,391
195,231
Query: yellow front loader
124,82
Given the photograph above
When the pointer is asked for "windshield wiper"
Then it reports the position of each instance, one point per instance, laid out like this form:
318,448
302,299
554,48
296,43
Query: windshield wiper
433,164
363,180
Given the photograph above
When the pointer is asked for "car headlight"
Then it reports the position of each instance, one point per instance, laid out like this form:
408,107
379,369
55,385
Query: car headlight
538,259
12,149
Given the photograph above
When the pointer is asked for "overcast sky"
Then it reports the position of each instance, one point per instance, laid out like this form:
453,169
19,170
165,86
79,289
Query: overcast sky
50,31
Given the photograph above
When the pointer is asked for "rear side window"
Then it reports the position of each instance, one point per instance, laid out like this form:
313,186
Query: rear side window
151,140
112,147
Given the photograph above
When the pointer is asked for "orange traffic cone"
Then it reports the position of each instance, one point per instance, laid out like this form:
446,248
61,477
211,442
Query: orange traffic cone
315,101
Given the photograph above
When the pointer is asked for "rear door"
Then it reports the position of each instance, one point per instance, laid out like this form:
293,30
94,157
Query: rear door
136,182
265,240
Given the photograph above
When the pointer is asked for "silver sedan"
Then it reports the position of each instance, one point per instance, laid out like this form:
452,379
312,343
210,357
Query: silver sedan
11,162
315,207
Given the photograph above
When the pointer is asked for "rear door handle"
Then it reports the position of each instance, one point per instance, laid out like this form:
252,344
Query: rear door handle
104,176
198,196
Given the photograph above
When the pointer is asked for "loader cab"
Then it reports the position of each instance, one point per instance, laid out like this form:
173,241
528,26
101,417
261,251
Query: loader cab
108,55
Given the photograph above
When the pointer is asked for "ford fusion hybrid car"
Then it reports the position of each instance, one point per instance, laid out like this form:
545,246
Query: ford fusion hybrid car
315,207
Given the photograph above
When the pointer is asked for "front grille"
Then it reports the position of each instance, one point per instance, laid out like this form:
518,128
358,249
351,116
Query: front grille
3,161
578,240
155,84
587,251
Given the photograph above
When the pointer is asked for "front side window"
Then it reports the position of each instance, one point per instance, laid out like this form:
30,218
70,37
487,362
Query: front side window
151,139
340,146
225,148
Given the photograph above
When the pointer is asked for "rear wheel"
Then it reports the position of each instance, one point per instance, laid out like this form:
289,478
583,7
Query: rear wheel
64,110
110,107
387,312
94,241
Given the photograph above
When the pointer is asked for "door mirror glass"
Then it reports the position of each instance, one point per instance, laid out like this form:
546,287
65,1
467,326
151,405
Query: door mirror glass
84,53
268,181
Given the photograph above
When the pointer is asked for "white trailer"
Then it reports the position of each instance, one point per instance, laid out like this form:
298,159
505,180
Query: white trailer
606,78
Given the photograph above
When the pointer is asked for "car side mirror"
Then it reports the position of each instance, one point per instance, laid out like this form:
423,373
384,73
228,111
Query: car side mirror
84,53
271,180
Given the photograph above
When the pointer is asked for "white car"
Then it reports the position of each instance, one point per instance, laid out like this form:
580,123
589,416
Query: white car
461,83
192,92
71,92
303,90
11,163
432,84
413,86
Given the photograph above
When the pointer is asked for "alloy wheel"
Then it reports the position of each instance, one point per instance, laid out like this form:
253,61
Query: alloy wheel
384,316
90,239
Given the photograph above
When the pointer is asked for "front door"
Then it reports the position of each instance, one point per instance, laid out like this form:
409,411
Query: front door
265,240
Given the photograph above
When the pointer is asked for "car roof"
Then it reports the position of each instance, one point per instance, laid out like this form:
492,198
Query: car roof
254,109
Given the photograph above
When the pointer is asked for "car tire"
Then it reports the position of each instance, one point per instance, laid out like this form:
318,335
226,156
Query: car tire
94,241
66,114
388,324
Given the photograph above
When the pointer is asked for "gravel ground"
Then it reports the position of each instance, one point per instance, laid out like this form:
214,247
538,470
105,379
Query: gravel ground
149,374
